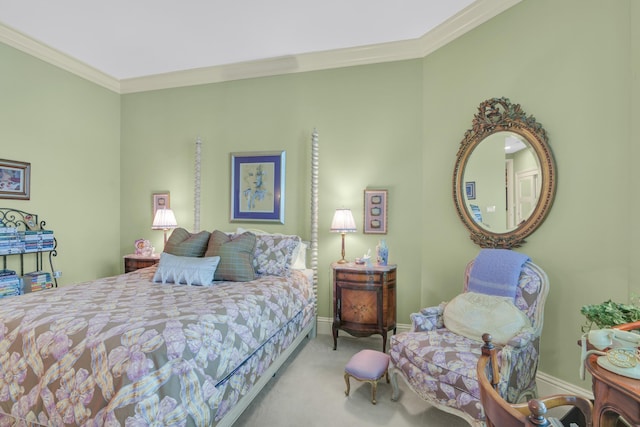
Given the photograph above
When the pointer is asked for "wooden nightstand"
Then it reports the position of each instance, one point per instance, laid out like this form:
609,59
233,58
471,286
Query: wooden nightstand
135,262
364,300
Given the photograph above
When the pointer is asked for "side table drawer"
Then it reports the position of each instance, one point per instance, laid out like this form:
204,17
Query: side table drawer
364,276
133,262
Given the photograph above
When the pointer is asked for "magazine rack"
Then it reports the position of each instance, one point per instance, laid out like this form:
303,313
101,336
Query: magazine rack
33,232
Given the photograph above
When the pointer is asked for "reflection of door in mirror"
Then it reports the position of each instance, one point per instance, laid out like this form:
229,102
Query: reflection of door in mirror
527,195
523,171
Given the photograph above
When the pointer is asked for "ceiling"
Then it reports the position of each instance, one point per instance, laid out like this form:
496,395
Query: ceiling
126,39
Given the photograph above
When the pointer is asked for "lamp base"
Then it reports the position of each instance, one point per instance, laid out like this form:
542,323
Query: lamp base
342,261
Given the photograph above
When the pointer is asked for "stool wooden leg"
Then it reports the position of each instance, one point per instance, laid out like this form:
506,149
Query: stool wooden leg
374,388
346,380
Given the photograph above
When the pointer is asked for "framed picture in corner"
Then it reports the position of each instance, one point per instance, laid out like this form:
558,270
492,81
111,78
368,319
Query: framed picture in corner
375,211
15,179
257,186
160,201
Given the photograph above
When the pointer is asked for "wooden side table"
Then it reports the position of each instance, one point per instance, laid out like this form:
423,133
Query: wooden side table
614,395
135,262
364,300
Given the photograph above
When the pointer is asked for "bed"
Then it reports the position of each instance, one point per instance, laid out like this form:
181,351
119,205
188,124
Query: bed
137,350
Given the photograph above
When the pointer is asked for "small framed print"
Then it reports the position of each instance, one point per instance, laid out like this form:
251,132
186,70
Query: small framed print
15,180
470,190
375,211
160,201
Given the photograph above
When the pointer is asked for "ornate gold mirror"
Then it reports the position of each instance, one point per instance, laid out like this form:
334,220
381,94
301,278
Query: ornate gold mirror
504,178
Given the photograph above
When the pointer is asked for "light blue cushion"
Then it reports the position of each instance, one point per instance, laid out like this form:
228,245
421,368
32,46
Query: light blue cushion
186,270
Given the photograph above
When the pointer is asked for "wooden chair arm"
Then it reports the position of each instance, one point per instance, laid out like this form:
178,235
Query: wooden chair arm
532,413
583,404
628,326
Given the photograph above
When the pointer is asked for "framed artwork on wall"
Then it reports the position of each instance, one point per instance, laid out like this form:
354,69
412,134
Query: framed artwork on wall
15,180
375,211
470,189
160,201
257,186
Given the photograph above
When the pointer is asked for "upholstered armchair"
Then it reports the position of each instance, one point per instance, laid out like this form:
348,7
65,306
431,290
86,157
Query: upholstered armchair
440,365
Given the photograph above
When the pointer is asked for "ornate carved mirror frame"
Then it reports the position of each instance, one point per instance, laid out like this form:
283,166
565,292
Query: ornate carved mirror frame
500,115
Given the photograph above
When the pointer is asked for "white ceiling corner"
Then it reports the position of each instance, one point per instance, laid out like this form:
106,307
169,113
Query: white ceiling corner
154,44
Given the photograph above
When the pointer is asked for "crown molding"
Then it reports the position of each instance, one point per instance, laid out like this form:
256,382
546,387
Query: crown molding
469,18
466,20
26,44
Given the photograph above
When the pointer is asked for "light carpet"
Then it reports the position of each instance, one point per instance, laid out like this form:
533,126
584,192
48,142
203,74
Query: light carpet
309,391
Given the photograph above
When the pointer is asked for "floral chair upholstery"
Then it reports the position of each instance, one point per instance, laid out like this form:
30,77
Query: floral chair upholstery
440,366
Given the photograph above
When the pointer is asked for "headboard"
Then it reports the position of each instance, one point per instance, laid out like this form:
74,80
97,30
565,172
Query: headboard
313,244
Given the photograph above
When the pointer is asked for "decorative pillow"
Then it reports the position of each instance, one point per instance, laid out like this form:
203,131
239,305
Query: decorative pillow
276,254
183,243
187,270
472,314
236,255
273,254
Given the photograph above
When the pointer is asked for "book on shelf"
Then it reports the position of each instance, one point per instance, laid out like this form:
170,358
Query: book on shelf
10,285
9,293
37,277
26,242
10,282
41,286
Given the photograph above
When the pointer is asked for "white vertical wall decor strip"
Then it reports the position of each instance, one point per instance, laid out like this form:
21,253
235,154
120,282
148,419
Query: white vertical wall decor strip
314,213
196,196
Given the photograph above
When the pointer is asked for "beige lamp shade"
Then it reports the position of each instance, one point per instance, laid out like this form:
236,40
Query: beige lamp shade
343,223
165,220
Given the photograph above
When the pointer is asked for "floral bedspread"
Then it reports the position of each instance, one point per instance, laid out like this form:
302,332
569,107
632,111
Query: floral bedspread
124,351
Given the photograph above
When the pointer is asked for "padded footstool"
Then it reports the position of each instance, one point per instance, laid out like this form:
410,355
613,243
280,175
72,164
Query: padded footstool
369,366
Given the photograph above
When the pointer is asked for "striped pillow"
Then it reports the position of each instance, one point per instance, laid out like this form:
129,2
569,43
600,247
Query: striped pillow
183,243
236,255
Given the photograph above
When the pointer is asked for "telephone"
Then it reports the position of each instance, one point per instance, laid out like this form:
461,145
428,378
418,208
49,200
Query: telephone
618,351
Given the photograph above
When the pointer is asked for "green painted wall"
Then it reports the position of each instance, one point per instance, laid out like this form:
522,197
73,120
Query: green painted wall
368,119
573,64
69,130
568,64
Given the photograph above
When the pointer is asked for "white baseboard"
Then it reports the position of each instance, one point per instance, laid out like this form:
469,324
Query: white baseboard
547,384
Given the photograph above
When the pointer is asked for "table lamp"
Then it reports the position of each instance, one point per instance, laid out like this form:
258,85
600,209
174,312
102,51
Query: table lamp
343,223
164,220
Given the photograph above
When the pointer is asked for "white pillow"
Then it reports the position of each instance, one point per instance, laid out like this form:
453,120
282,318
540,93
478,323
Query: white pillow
472,314
299,261
186,270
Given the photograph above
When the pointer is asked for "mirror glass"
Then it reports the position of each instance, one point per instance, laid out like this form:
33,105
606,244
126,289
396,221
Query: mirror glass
504,179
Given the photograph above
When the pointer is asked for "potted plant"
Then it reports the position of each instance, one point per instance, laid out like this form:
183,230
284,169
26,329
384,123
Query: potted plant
609,314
